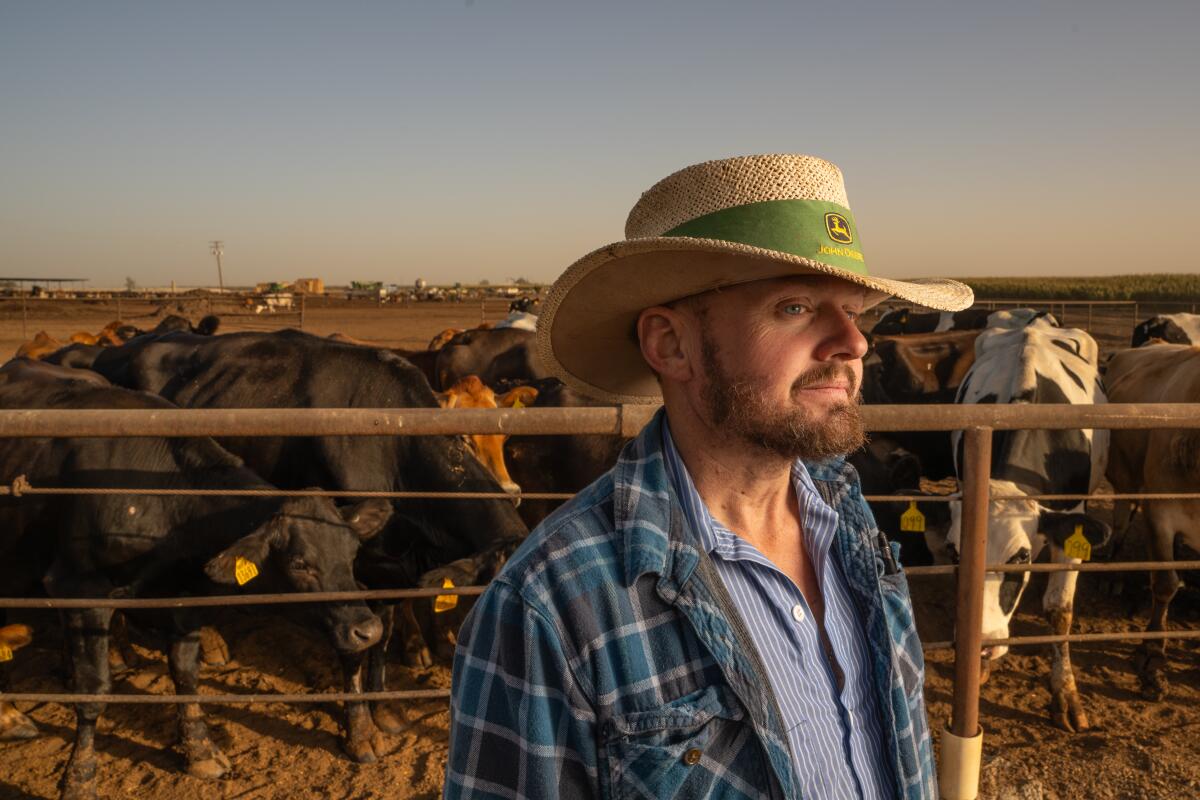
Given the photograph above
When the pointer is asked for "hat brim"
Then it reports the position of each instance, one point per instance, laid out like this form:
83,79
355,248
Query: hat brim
585,332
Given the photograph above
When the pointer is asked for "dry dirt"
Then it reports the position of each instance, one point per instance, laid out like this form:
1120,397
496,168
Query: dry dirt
1135,748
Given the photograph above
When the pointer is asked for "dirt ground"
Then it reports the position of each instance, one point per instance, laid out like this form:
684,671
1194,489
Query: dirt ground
1135,749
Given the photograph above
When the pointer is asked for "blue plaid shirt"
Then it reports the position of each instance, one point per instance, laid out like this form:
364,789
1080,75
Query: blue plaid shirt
836,732
608,660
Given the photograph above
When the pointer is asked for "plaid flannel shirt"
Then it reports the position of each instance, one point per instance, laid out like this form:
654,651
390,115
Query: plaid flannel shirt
607,660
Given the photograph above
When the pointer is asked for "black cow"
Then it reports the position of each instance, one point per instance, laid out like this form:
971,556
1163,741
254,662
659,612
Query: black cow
290,369
1170,328
906,321
885,467
160,545
494,354
922,368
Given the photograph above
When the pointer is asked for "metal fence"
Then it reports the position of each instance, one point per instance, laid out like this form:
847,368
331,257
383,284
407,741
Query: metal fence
978,422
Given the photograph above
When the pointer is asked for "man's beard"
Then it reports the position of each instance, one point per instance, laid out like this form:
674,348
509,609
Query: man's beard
738,406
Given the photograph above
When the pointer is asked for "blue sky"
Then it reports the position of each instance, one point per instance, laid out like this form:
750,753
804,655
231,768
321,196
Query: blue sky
460,141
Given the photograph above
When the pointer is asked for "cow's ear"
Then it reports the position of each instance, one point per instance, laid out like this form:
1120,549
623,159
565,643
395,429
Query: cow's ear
446,399
253,547
15,636
1059,527
368,517
525,395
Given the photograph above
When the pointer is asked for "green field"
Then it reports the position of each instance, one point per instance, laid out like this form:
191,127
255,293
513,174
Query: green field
1178,288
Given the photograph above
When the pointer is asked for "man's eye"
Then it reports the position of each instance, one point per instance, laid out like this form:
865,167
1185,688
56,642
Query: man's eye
794,309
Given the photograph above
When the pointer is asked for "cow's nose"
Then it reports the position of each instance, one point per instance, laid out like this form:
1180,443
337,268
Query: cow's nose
365,634
512,489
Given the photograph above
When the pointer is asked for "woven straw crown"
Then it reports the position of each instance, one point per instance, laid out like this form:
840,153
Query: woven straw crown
715,185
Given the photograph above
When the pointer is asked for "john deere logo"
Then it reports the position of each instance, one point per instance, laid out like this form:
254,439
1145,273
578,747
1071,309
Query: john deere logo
838,228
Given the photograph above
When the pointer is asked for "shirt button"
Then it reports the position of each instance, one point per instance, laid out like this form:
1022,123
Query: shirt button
798,613
692,757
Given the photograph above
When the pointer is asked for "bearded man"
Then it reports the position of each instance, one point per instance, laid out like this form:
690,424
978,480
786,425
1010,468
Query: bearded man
718,615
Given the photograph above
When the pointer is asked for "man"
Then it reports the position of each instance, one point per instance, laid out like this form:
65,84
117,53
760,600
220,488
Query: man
717,616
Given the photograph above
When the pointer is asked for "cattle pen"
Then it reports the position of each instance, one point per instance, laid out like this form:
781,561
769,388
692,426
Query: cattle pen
978,423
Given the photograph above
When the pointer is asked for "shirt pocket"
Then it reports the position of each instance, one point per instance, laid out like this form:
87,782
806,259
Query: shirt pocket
677,750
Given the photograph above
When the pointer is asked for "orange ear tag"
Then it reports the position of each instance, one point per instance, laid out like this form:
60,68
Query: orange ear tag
244,570
445,602
5,652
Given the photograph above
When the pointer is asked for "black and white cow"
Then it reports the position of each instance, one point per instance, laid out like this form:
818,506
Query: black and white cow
1036,362
1170,328
904,321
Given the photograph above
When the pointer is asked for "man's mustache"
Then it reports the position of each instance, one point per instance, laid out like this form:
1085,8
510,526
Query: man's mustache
827,373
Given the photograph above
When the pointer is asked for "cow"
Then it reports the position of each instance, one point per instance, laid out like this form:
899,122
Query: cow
131,545
885,467
494,355
1159,461
1036,363
521,320
561,463
923,368
41,345
439,341
424,360
13,724
470,392
290,369
1170,328
905,321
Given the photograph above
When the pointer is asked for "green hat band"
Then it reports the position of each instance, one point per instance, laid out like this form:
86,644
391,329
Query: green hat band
814,229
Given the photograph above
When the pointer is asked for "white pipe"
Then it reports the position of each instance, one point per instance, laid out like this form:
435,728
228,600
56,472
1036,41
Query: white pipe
958,770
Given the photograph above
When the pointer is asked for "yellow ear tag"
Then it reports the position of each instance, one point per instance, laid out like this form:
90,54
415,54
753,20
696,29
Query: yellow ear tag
445,602
244,570
912,520
5,652
516,404
1077,546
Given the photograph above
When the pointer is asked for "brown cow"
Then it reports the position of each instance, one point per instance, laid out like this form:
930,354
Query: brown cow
40,346
1163,460
14,724
470,392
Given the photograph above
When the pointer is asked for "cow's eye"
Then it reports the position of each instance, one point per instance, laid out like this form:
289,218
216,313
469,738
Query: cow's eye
298,564
1020,557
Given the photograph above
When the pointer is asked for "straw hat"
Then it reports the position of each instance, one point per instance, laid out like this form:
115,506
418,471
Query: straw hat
714,224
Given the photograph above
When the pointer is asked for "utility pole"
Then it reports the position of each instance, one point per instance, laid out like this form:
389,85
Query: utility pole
218,249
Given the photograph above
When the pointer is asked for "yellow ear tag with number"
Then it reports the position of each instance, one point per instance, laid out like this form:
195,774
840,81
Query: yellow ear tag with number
445,602
1077,545
5,652
516,404
244,570
912,520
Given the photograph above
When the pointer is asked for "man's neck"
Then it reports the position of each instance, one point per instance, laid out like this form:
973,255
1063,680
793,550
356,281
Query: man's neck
746,488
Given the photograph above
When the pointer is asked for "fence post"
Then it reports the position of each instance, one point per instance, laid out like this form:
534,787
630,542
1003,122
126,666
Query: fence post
1135,314
962,743
302,312
119,307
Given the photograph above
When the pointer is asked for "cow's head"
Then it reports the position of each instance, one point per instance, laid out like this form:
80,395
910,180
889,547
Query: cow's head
309,546
1018,530
470,392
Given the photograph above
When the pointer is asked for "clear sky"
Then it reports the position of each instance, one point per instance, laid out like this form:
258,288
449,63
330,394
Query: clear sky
469,140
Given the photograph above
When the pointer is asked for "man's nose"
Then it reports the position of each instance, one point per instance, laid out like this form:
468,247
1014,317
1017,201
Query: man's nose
843,338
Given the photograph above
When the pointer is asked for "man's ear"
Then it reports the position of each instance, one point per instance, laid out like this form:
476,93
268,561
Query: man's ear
253,547
1059,527
368,517
661,333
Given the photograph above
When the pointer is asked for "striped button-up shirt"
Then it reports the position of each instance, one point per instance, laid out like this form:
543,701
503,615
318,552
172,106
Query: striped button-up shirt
836,735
